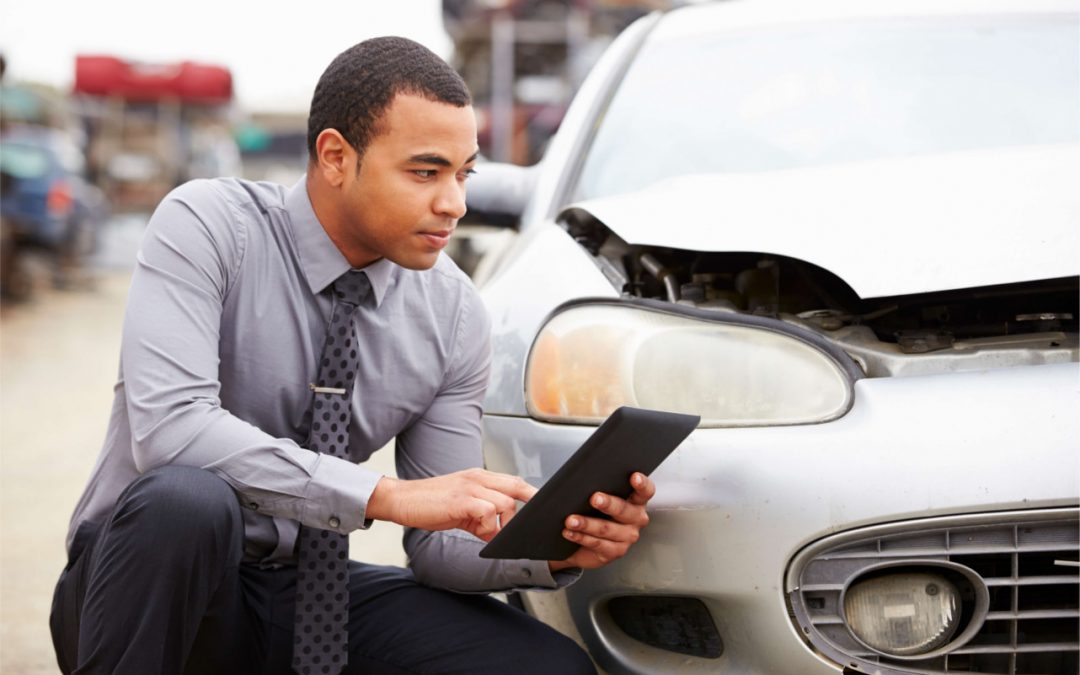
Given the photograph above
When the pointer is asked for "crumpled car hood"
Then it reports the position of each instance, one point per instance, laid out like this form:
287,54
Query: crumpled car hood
886,227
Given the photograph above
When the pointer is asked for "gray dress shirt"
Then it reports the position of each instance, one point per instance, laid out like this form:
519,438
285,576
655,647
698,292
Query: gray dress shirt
225,321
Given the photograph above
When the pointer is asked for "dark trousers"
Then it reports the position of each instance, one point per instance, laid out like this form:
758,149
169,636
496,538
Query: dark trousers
160,588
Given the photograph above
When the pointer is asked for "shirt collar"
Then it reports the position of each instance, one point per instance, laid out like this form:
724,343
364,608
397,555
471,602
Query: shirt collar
320,259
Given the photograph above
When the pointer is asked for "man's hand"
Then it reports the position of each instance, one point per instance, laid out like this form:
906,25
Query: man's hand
605,540
474,500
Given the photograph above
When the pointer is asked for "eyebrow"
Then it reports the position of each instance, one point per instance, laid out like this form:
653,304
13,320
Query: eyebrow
438,160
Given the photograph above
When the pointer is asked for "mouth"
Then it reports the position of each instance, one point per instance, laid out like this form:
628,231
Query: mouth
437,239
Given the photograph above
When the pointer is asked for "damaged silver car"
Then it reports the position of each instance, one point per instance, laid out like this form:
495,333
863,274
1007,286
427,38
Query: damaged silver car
846,235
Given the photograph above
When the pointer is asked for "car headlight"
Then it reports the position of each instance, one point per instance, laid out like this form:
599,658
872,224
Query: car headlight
732,370
903,614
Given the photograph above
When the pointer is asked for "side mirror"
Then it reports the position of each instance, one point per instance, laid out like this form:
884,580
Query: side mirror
496,197
498,193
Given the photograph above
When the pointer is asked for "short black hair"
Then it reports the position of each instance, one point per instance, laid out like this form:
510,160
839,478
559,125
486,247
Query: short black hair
359,84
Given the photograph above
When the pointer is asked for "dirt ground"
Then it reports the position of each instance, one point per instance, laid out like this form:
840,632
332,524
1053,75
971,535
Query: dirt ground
58,364
58,357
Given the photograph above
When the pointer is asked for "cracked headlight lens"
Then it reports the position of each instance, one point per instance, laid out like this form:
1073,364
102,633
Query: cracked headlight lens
590,359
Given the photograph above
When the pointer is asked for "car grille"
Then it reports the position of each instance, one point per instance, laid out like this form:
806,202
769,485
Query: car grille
1026,561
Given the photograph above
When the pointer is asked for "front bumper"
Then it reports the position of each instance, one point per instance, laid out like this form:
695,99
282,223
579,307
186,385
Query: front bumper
734,506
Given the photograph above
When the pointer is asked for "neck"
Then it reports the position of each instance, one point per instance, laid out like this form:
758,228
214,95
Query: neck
324,202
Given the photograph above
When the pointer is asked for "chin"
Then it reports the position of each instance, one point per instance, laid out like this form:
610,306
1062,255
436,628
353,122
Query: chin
417,262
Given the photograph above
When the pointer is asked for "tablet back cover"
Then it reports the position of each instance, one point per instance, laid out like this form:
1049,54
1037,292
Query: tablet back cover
631,439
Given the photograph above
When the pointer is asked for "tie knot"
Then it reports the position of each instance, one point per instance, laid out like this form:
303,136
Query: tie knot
352,286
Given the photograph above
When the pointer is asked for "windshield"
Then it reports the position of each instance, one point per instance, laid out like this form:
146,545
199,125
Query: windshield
23,161
800,97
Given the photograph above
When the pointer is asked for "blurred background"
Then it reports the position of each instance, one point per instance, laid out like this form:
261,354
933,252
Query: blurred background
107,106
104,108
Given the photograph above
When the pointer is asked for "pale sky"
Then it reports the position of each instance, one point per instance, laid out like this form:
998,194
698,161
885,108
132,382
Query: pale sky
276,50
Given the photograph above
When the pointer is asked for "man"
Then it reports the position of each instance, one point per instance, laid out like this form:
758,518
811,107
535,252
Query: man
264,323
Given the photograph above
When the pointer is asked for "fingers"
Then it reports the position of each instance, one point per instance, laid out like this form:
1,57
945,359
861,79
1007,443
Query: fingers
605,550
482,502
503,492
504,505
644,489
511,486
483,518
622,510
600,528
489,510
608,539
602,540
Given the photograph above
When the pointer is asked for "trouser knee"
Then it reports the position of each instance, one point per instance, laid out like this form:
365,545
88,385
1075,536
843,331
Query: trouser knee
146,578
177,506
560,653
566,656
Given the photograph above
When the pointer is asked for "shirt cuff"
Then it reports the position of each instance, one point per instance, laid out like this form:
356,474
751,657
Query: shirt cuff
530,575
337,495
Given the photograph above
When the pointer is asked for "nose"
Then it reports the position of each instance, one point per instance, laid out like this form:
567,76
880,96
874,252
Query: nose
450,202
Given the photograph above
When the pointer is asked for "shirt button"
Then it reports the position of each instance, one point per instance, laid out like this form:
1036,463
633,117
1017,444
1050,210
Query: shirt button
527,572
334,521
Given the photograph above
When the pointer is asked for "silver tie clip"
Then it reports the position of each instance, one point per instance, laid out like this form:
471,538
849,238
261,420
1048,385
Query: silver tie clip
326,390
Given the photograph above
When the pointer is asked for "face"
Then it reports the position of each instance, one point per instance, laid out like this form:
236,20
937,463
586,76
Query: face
404,200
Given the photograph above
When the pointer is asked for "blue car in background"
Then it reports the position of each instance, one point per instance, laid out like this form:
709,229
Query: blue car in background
46,205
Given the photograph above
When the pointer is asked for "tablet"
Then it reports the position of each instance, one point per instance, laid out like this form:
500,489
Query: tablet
630,440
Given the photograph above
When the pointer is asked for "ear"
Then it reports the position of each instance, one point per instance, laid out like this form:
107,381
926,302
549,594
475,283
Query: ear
334,157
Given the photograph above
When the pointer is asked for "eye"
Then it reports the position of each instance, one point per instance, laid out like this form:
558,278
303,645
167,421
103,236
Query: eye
425,173
464,175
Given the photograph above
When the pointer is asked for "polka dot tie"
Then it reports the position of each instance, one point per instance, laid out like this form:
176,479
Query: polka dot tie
320,643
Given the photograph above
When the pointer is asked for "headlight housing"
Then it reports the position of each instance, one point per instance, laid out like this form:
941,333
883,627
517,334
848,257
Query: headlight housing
903,614
732,370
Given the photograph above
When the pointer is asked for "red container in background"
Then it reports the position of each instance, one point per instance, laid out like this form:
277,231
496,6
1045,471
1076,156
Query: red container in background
186,80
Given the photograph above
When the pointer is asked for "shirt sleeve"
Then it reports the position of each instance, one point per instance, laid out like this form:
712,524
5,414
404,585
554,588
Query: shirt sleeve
192,250
447,439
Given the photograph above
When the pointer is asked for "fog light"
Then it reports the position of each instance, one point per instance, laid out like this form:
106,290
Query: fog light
903,614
